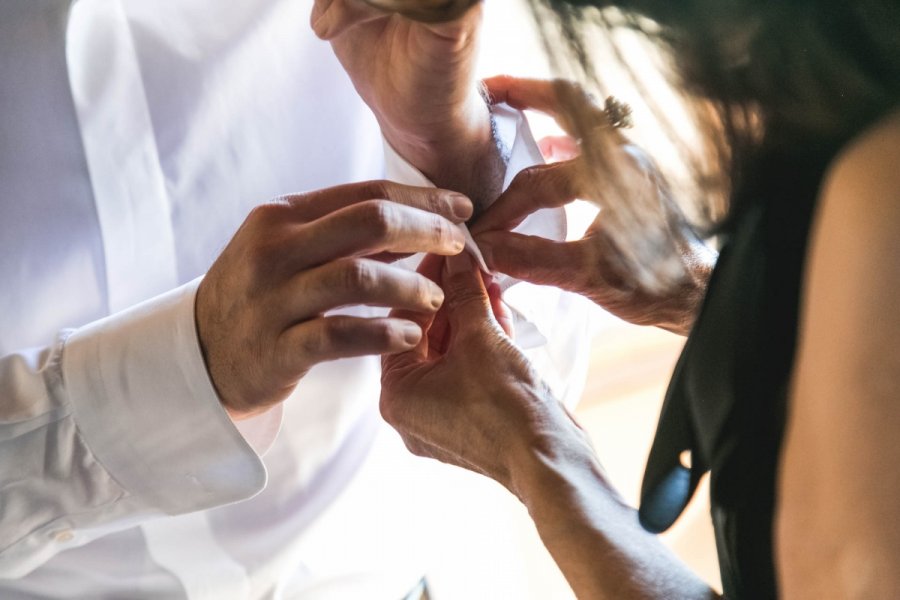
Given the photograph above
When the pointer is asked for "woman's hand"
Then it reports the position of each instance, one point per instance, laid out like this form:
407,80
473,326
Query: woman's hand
466,395
261,309
595,266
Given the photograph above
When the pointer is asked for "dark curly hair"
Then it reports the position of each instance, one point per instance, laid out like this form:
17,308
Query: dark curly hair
758,72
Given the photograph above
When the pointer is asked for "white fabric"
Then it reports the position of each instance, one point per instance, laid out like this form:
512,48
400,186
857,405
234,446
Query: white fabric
539,304
123,172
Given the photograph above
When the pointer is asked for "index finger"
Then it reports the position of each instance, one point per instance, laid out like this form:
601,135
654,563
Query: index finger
542,186
310,206
369,228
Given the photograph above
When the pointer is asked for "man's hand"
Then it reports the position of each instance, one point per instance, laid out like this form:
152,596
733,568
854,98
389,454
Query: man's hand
419,80
260,309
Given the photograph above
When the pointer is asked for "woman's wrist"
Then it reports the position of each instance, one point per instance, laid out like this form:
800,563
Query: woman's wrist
553,462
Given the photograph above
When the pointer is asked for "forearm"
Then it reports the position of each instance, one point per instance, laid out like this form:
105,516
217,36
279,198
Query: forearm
595,537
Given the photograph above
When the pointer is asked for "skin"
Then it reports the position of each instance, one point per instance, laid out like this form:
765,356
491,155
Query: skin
478,404
260,310
419,80
593,265
837,530
466,395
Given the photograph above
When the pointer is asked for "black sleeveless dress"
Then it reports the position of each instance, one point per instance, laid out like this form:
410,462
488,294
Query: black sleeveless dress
727,399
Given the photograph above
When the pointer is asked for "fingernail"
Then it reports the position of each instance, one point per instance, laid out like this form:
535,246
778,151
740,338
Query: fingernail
459,239
411,332
437,296
461,206
459,264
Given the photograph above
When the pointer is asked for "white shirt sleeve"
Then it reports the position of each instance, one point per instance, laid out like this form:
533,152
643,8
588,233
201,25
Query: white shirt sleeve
116,423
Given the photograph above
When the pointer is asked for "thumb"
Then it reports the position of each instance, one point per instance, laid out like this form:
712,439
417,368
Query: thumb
466,298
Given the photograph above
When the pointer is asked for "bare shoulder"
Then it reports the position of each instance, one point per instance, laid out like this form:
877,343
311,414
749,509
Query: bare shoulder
856,232
837,531
865,176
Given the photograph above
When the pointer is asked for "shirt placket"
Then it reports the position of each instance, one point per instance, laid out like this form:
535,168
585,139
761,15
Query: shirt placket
134,213
129,189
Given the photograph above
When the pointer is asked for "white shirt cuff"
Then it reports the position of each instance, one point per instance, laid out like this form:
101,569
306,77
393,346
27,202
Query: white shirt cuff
144,404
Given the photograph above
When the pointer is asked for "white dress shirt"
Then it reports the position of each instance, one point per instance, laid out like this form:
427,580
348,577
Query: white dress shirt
131,149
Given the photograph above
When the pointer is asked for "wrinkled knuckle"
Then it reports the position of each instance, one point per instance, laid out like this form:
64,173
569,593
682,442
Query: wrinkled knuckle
520,179
437,203
460,298
382,219
310,346
382,335
442,233
379,189
359,276
336,337
423,290
528,178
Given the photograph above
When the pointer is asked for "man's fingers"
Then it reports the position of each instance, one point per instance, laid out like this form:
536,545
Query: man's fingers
434,325
310,206
356,281
535,259
372,227
330,338
542,186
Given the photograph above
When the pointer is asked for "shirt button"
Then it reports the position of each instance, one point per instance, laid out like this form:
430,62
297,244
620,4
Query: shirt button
65,535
